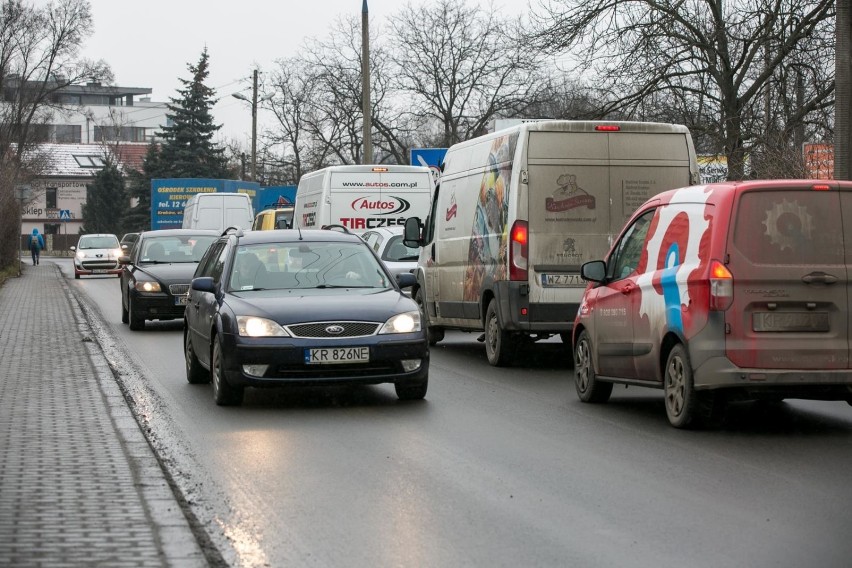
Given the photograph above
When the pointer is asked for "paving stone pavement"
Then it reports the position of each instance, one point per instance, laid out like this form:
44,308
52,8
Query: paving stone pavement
79,483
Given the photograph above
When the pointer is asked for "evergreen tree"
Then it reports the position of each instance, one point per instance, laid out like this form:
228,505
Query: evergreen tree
106,200
139,187
188,148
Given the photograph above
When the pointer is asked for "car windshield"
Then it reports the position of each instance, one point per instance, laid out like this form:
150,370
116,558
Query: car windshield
174,249
105,242
301,265
397,251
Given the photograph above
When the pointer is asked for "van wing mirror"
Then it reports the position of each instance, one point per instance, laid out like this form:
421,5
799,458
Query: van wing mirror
412,234
594,271
406,280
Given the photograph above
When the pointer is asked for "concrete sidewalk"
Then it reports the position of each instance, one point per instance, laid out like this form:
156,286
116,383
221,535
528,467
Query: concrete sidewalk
79,483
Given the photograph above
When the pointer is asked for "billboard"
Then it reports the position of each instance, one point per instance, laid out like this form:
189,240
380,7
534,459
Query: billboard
713,168
169,196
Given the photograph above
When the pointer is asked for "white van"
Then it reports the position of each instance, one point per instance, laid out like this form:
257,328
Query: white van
218,211
362,197
518,211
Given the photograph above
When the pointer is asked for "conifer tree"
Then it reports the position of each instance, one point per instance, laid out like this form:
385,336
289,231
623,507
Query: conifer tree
106,200
188,148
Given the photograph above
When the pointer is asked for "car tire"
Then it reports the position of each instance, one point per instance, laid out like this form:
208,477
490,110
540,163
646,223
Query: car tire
433,334
136,323
125,316
224,394
589,388
681,398
498,342
76,275
195,373
411,390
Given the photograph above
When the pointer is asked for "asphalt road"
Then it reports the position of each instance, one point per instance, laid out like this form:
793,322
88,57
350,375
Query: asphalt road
497,467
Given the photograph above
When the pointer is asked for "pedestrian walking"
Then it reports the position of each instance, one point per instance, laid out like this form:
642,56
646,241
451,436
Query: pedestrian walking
36,244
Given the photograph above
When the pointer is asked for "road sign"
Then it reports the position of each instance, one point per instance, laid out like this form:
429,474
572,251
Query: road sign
64,214
429,157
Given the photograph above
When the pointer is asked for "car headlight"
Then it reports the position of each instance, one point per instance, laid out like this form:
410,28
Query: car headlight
251,326
147,286
402,323
80,254
116,253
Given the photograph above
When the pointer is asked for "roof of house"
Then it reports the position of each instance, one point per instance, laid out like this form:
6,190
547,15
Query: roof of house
85,160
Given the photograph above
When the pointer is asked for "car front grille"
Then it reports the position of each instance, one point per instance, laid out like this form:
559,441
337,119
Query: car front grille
326,329
97,263
179,289
307,372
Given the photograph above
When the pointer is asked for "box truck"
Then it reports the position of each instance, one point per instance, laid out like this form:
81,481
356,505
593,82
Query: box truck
362,197
218,211
516,212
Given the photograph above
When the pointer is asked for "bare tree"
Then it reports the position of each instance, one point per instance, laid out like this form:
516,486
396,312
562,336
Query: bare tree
39,49
462,66
721,60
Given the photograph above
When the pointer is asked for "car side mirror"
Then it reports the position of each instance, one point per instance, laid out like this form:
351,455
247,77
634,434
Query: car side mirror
411,234
124,259
406,280
594,271
73,248
203,284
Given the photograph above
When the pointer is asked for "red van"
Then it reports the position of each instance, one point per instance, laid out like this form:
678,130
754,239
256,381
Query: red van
720,292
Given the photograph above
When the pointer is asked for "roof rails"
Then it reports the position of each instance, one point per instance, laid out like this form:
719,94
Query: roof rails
335,228
233,231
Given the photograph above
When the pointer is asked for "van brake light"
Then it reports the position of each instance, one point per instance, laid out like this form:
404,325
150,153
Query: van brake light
607,128
518,251
721,287
820,187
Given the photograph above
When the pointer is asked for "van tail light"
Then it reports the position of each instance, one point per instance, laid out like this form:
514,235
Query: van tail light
519,240
721,287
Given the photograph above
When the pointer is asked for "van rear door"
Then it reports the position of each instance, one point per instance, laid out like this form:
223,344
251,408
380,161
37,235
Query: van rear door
788,258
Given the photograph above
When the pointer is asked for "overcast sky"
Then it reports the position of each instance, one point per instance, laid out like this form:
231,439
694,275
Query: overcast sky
149,43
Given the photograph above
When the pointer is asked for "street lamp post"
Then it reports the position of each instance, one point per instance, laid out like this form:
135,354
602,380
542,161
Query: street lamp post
22,193
253,103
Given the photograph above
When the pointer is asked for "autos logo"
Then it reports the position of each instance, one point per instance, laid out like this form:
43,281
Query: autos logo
334,329
386,207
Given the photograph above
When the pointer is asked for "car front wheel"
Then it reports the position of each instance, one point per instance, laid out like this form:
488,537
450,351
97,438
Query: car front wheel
411,391
589,388
125,316
433,334
195,373
137,321
224,394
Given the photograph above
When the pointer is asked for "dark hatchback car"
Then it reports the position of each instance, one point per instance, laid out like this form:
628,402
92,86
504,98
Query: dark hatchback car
156,274
291,307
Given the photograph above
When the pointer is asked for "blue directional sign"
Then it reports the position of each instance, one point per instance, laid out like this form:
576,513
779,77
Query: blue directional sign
429,157
64,214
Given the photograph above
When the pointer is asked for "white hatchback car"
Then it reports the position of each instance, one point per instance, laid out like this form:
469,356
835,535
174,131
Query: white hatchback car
387,243
97,254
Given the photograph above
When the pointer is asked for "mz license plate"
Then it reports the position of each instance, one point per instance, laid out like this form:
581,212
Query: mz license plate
562,281
337,355
790,321
181,300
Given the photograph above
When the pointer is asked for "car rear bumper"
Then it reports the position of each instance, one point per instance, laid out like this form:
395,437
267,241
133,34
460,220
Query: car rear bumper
721,373
285,361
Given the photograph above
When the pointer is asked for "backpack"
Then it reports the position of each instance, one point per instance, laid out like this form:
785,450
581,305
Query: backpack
34,244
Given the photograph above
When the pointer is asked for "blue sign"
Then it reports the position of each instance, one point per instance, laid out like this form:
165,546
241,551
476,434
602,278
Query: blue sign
432,158
274,196
64,214
169,196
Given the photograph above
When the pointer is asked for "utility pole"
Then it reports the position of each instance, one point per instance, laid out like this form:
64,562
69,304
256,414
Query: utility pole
365,84
843,92
253,103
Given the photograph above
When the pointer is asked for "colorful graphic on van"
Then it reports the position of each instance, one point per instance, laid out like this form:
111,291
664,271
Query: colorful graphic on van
453,209
675,244
568,195
487,252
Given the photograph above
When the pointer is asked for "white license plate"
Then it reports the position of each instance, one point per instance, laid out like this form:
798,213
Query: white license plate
99,271
562,281
337,355
181,300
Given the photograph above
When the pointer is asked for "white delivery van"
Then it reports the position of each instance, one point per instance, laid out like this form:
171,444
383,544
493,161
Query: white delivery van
516,213
218,211
362,197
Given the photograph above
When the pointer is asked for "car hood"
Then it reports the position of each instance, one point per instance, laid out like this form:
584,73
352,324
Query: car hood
174,273
340,304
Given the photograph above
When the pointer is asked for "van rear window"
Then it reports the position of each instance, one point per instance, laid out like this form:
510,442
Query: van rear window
789,227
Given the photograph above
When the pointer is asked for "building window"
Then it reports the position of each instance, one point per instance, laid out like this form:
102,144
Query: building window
89,161
120,134
52,228
50,196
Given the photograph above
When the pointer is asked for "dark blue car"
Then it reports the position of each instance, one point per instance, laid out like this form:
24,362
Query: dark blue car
291,307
